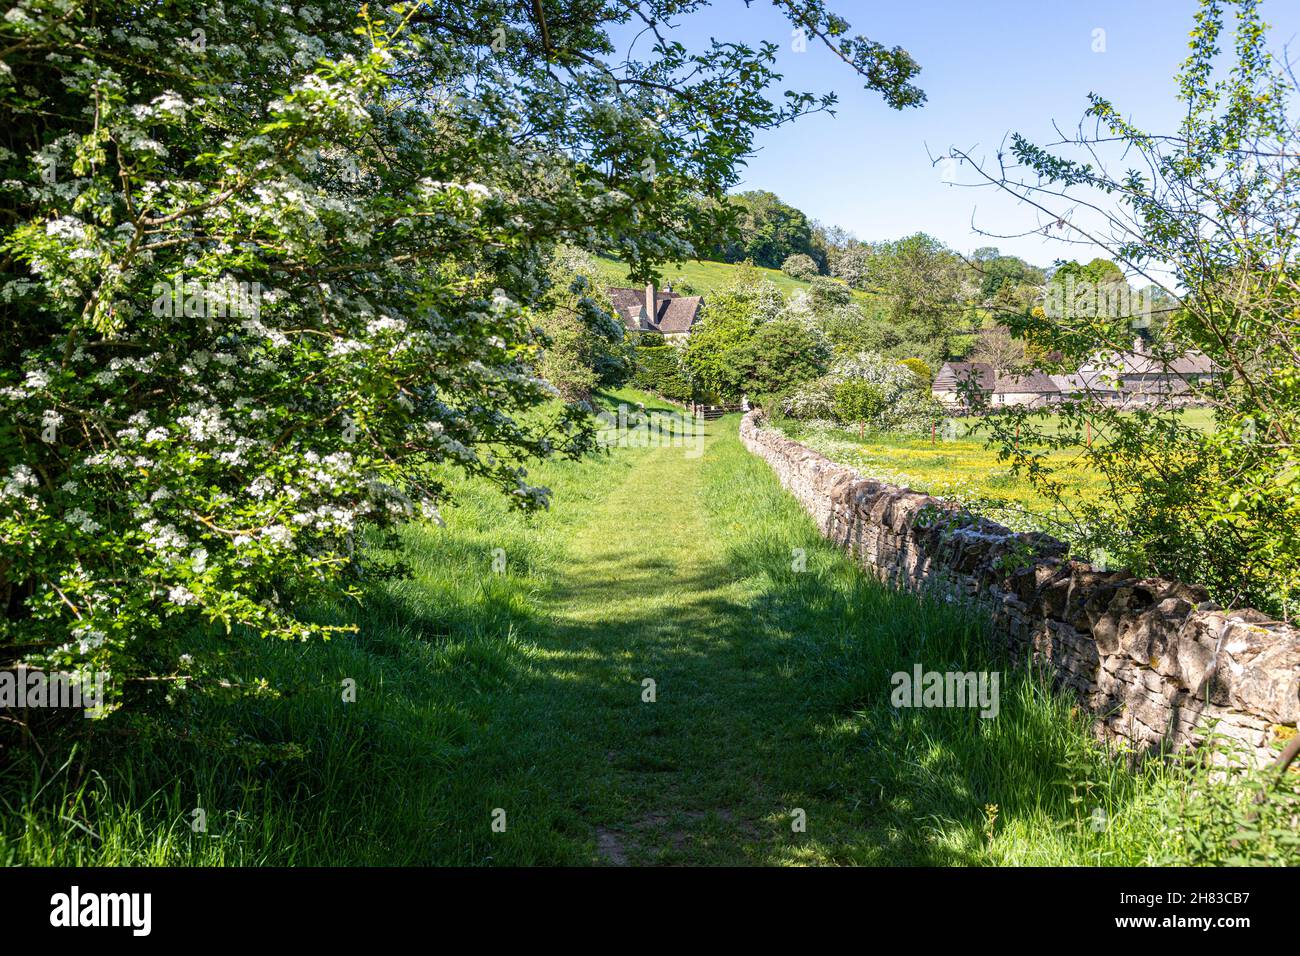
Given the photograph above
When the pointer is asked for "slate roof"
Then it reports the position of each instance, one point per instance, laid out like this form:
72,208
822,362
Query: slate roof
673,312
1034,381
1068,384
1145,363
953,373
628,303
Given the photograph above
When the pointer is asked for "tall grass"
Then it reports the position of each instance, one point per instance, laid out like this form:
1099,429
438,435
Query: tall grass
522,691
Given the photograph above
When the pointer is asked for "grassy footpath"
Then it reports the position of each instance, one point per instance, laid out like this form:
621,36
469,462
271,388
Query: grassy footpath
522,690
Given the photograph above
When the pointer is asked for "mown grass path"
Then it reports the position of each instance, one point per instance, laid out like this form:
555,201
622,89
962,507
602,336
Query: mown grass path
504,682
770,691
648,594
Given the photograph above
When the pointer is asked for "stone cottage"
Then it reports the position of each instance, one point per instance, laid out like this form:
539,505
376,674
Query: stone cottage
666,312
1141,376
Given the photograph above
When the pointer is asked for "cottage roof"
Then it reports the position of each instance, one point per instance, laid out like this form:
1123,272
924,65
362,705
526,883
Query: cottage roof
951,374
673,312
1032,381
1141,361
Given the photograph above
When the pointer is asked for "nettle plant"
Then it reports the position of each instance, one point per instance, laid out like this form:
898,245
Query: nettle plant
268,271
1209,215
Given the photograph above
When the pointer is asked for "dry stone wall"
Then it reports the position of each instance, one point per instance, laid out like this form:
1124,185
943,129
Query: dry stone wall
1154,660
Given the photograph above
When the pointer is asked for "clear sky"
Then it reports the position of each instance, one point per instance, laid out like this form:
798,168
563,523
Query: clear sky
989,68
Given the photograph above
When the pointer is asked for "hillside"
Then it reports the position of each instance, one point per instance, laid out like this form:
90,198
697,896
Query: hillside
704,276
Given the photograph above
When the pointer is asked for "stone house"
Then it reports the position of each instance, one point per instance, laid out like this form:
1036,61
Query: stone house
952,376
1136,377
666,312
1033,388
998,388
1140,376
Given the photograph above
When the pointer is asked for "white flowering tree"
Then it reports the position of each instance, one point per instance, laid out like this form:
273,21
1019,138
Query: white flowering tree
868,390
1208,215
263,266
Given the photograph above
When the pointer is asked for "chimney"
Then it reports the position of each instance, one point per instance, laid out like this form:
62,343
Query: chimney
650,304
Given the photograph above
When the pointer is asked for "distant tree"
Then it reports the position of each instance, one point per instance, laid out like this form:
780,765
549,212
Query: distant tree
997,272
923,281
852,264
778,356
858,327
996,346
1090,290
768,231
850,330
1099,271
837,237
799,266
829,242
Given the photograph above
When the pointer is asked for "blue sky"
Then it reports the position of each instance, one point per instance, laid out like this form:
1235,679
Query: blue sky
989,67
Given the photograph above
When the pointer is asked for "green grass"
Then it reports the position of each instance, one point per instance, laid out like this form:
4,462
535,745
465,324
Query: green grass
959,468
706,277
522,691
962,467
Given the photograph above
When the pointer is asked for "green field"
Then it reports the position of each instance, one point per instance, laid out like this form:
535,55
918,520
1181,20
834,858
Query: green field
960,465
705,276
523,691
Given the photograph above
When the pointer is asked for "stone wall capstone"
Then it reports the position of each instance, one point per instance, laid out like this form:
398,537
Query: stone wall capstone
1153,660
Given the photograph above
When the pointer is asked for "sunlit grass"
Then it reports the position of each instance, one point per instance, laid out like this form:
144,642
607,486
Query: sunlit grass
960,463
523,691
704,277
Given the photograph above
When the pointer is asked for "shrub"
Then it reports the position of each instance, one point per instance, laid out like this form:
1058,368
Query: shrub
868,389
857,400
659,370
922,370
799,266
827,294
566,361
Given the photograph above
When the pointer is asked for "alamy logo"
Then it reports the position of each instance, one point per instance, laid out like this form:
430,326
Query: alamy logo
946,689
75,909
213,299
23,688
1074,299
651,430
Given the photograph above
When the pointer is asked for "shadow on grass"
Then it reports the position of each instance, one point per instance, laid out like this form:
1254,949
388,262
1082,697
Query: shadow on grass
473,692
